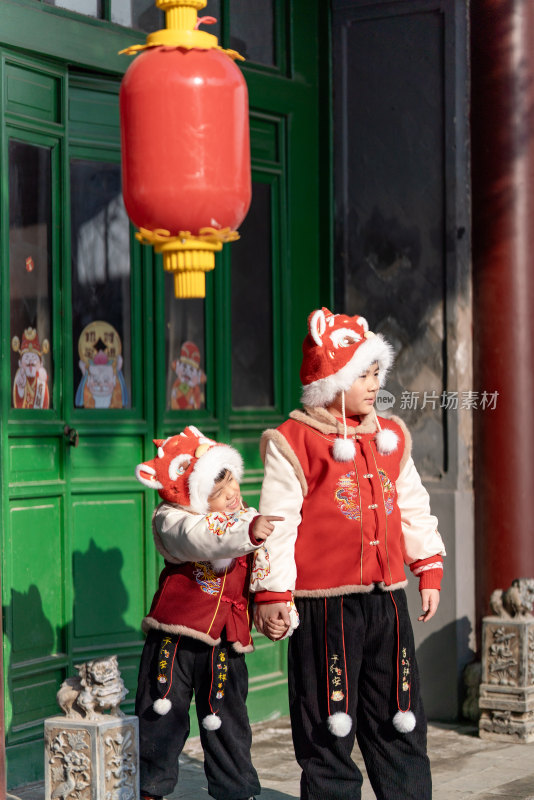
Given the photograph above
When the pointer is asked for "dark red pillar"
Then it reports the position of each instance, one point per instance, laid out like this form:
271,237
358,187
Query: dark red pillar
502,147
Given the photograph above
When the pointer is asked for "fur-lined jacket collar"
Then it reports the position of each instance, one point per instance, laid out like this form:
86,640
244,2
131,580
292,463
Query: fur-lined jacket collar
325,422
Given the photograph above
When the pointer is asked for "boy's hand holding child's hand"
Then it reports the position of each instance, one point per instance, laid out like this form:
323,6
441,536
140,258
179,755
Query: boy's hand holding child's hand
272,619
262,527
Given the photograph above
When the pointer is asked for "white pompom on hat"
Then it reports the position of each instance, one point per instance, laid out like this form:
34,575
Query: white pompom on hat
386,439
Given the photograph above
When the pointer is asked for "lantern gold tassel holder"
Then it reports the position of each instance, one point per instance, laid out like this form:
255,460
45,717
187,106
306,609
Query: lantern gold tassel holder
185,145
188,257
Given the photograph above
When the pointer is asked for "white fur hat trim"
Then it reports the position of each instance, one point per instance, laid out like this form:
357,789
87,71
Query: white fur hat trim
404,721
343,449
339,723
212,722
386,441
208,466
324,390
162,705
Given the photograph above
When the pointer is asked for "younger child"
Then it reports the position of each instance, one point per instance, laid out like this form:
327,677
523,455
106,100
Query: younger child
198,625
355,512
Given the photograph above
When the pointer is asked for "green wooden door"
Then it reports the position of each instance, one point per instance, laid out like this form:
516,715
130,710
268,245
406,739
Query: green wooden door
78,567
98,357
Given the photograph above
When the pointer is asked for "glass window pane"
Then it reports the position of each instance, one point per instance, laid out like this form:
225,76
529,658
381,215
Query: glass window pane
252,306
252,30
91,8
142,15
30,219
212,9
100,245
184,351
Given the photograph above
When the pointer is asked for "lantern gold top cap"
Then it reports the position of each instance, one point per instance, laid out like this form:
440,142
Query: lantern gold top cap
181,29
181,26
165,5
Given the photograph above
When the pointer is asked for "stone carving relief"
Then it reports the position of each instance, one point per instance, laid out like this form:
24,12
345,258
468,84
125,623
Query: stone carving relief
120,765
502,721
97,688
506,698
502,657
517,601
70,765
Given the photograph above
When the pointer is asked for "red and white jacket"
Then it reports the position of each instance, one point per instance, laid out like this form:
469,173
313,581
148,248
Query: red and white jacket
349,526
204,586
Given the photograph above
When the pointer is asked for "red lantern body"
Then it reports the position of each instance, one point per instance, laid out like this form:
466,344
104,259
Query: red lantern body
185,140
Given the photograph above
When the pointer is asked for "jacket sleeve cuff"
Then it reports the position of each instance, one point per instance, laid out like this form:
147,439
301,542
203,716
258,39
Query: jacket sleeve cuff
429,571
255,542
273,597
431,579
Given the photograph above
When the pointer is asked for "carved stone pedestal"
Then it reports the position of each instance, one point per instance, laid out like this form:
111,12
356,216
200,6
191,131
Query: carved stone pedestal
507,688
91,759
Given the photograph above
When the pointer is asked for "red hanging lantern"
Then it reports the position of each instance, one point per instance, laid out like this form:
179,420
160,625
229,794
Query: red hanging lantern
185,145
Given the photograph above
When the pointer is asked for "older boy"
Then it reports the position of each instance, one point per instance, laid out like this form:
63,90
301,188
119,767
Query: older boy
355,512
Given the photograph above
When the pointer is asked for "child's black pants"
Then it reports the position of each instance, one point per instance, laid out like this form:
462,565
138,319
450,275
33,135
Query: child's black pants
227,762
396,763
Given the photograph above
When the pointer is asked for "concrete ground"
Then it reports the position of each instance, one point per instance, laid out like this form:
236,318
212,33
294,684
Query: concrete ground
463,766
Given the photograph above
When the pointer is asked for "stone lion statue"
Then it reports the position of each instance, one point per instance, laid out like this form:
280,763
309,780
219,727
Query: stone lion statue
517,601
97,688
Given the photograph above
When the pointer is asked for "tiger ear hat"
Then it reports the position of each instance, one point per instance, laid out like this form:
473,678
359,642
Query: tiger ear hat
336,351
186,467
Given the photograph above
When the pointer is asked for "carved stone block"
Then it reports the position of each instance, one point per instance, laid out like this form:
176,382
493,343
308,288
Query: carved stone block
92,759
507,687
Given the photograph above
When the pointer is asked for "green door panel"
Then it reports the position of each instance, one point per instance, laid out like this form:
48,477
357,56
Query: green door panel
269,658
108,558
32,93
264,139
34,461
129,667
95,113
24,762
105,457
34,699
34,596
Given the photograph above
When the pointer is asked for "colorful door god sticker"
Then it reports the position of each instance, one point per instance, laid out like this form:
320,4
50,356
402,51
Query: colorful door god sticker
30,387
102,384
187,391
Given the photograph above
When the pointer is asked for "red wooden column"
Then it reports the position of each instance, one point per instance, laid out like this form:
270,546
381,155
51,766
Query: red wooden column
502,120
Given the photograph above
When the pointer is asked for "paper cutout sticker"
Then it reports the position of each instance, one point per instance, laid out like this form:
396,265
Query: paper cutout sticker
187,391
102,384
30,387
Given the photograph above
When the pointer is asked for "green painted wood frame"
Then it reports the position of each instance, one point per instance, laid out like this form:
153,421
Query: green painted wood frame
78,56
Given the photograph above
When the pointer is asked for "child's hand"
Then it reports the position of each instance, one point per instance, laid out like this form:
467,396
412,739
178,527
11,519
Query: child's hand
430,603
275,628
272,619
262,527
